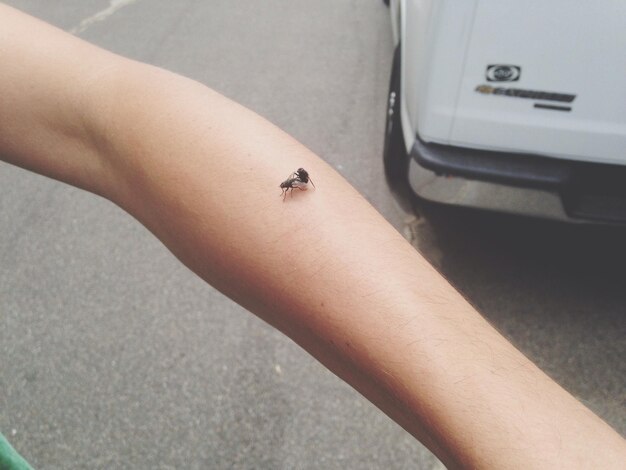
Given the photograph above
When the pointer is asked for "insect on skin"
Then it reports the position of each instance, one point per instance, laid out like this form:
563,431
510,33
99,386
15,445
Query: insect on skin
298,179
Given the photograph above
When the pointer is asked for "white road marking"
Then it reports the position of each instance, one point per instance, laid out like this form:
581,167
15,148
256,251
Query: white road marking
114,5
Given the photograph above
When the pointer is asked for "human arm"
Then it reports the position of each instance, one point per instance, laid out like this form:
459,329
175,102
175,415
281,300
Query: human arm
152,147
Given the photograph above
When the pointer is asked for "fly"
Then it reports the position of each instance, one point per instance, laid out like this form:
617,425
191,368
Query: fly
298,179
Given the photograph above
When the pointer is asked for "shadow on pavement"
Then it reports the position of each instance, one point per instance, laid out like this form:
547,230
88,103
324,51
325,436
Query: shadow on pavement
556,290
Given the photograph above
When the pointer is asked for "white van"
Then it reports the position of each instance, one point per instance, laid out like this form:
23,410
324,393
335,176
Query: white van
511,105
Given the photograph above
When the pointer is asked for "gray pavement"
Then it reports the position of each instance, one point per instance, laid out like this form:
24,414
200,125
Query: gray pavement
116,356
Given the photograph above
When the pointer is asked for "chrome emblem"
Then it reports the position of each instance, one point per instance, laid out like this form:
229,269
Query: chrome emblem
503,73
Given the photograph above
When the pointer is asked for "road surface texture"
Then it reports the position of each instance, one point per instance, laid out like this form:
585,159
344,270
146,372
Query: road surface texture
114,355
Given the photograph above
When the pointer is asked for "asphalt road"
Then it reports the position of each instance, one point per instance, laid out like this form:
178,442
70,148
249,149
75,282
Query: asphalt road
116,356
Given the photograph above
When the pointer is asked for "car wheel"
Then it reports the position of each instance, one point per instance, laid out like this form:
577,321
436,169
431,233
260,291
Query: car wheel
394,151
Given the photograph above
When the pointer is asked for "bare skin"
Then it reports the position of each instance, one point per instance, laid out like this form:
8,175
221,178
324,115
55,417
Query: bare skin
164,147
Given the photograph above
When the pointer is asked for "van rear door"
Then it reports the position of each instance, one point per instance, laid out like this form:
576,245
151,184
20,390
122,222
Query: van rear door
545,77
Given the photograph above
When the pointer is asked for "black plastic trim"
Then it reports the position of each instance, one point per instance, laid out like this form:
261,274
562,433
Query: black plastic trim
589,191
495,167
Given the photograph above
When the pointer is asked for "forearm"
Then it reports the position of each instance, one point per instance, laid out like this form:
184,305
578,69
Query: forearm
202,173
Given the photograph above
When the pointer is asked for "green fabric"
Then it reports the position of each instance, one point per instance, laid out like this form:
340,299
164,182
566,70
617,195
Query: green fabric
9,458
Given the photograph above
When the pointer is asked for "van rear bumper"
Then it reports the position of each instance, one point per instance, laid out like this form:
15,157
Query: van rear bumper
519,183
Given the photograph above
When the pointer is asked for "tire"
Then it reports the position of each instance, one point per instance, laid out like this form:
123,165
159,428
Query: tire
395,157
